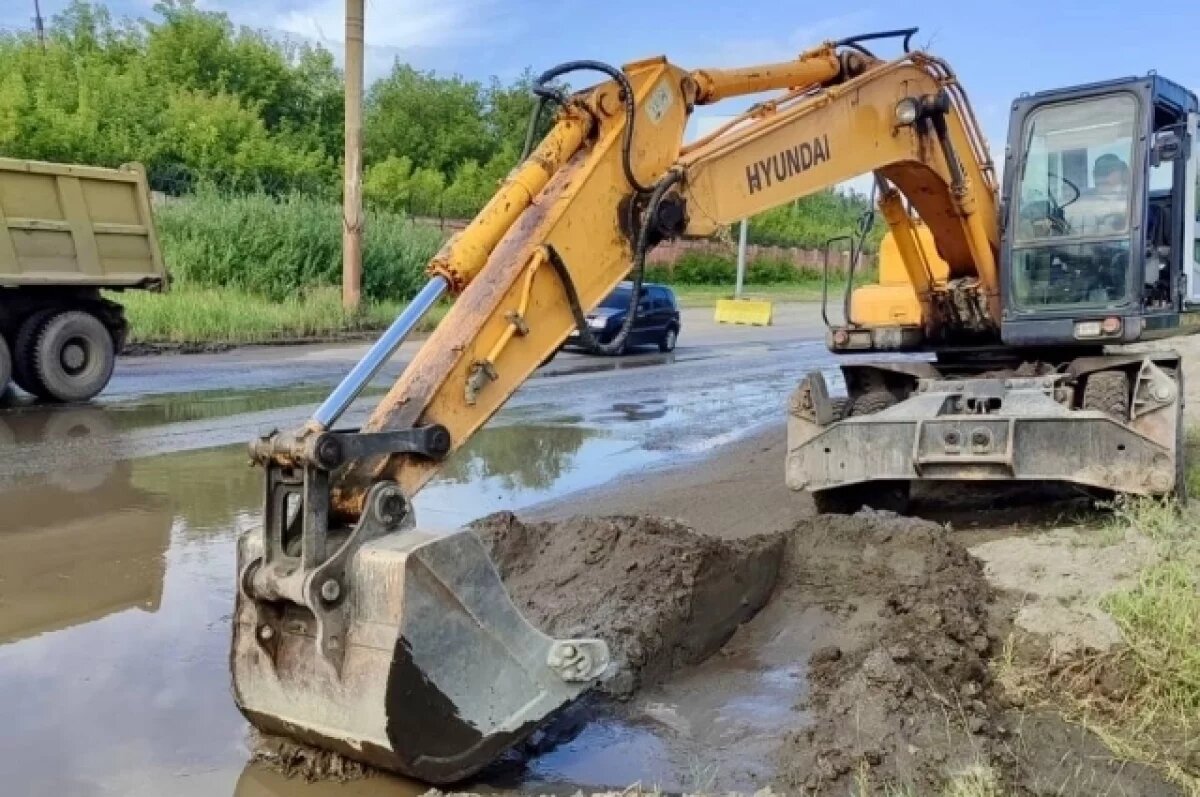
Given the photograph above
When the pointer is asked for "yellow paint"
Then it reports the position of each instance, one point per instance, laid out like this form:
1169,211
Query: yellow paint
815,67
896,298
755,312
464,255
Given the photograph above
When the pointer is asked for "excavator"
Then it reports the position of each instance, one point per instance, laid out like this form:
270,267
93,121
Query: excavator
358,632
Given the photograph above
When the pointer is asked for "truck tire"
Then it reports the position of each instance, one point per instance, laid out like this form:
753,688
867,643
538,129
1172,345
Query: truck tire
1108,392
74,356
5,366
24,373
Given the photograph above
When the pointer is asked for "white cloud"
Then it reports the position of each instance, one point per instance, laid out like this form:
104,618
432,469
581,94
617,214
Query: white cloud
401,24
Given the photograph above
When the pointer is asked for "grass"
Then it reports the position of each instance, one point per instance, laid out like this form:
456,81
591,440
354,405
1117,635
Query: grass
976,781
1160,619
278,246
1150,711
194,315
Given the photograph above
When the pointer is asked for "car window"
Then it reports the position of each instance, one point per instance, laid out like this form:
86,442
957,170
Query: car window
617,300
664,295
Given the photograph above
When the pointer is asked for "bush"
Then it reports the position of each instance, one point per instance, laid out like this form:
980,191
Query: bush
278,247
709,268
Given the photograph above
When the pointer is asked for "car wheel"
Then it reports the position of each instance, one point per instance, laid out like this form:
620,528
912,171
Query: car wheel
74,356
669,337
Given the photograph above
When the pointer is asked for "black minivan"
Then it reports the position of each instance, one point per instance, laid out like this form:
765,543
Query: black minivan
657,322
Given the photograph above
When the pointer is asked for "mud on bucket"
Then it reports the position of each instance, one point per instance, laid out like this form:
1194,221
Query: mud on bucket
438,673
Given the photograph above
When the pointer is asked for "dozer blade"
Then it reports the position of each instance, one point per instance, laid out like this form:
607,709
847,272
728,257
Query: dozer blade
415,660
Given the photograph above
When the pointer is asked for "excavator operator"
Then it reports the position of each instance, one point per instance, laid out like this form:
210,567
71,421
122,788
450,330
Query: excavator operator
1105,207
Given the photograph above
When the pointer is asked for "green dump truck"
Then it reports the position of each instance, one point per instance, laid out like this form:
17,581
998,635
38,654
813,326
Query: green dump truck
66,233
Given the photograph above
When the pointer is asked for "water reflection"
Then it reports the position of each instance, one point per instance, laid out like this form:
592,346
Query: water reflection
115,593
81,542
518,457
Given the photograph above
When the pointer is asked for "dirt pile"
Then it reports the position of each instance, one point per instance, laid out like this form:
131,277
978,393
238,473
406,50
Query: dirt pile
905,697
661,595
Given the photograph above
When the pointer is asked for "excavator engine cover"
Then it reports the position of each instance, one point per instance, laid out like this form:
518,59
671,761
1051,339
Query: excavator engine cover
401,649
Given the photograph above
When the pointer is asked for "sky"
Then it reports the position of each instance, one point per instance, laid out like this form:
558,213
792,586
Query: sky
999,50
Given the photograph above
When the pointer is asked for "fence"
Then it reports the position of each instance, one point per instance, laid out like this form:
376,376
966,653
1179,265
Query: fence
668,253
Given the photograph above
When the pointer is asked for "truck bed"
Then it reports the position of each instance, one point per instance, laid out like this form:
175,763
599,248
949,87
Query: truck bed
63,225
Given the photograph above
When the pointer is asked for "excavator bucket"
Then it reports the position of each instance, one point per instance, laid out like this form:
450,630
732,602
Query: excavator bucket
395,647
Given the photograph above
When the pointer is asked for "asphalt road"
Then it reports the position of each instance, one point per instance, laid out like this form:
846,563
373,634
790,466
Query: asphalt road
258,367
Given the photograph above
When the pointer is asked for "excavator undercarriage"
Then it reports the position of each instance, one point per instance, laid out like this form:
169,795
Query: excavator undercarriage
1109,424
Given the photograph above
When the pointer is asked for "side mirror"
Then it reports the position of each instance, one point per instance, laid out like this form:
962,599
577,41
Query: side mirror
1166,146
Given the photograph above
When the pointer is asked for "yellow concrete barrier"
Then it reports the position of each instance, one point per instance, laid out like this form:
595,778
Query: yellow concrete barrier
744,311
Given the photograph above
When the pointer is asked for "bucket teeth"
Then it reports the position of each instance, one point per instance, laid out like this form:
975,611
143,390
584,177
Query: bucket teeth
439,672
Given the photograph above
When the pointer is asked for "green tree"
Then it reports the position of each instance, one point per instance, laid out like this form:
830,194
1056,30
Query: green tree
436,122
425,192
386,184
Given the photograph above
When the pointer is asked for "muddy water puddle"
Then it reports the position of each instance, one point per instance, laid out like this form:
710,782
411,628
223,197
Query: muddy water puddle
116,591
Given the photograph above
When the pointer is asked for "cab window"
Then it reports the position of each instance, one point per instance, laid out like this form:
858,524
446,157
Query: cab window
1075,177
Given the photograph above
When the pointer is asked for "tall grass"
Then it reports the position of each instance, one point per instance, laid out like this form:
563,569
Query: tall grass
190,314
278,246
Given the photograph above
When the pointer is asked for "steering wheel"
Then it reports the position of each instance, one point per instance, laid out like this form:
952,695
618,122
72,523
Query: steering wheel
1060,205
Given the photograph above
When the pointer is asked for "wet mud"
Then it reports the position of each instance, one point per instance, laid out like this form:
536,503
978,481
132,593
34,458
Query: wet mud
661,595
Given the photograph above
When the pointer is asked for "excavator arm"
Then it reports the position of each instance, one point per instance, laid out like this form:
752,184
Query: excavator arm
582,226
358,632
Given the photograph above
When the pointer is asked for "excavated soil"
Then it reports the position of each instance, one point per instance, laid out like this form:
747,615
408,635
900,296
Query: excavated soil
906,698
898,688
661,595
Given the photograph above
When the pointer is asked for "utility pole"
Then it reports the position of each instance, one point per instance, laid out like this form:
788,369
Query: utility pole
37,23
352,201
740,279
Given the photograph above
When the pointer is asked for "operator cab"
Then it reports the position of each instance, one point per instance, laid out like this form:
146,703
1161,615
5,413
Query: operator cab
1100,197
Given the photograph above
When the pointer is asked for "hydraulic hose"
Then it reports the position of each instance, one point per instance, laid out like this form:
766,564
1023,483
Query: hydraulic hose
642,246
855,42
547,93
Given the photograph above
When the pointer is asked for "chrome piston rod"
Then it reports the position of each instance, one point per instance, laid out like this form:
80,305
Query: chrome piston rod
383,349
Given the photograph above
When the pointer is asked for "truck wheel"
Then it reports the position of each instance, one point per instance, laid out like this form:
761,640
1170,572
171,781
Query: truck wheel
24,373
1108,392
5,366
872,402
888,495
74,356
